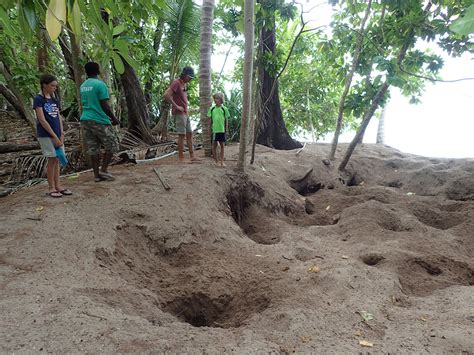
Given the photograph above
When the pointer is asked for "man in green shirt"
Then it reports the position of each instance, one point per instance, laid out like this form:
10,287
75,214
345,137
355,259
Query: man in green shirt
96,121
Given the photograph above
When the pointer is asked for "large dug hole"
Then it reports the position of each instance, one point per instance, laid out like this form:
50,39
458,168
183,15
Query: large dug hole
421,276
226,295
225,311
243,199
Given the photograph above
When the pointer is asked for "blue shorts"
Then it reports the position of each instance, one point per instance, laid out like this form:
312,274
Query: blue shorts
219,137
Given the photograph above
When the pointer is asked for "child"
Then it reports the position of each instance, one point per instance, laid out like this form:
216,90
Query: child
219,115
50,132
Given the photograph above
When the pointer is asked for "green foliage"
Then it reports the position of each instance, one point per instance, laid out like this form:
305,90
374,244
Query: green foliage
465,24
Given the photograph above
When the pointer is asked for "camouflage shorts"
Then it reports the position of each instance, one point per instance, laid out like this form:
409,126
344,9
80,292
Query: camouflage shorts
97,135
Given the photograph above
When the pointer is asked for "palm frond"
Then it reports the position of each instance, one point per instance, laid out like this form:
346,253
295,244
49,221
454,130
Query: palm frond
183,18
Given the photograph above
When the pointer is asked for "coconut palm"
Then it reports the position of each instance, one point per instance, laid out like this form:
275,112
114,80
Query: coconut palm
182,18
207,17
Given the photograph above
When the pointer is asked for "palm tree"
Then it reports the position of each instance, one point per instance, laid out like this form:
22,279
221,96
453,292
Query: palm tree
247,83
207,17
183,21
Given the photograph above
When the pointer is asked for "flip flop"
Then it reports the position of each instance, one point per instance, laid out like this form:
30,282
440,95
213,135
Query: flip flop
54,194
107,176
65,192
99,178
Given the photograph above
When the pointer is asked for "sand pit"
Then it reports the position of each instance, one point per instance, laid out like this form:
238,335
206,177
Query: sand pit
292,257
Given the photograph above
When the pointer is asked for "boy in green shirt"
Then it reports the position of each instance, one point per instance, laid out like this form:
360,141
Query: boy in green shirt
219,115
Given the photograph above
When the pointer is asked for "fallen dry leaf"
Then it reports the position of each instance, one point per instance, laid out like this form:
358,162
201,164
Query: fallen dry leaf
345,257
327,208
366,343
39,209
314,269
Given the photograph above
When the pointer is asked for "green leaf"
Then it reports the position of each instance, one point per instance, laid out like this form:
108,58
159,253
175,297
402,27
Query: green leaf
366,316
134,64
74,18
118,63
28,8
464,25
110,4
118,30
121,45
5,21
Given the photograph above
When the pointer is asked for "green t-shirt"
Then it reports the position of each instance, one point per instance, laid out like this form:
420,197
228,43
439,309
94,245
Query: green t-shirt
92,91
218,116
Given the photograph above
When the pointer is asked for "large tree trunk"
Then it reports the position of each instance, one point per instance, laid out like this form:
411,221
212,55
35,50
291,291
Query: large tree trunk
247,84
207,17
272,130
347,86
78,70
13,95
158,35
41,51
136,105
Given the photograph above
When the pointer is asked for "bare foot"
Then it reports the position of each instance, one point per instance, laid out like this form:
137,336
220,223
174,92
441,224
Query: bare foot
222,164
194,159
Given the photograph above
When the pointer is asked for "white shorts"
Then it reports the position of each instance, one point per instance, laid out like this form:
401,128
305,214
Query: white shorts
47,147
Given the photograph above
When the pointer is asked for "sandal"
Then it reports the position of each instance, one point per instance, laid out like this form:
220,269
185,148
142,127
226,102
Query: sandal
65,192
99,178
54,194
107,176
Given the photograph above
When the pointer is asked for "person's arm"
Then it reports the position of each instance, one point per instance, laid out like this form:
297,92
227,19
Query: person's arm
61,125
42,120
108,111
169,97
227,117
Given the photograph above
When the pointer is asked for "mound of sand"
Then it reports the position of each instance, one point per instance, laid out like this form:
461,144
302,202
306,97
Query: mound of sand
292,257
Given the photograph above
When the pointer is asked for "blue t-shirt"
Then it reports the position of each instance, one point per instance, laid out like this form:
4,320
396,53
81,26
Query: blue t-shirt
50,108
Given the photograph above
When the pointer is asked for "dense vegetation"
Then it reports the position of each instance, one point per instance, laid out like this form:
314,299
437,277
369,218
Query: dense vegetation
315,80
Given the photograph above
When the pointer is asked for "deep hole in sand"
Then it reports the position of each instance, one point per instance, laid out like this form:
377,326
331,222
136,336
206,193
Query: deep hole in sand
225,311
372,259
254,220
227,300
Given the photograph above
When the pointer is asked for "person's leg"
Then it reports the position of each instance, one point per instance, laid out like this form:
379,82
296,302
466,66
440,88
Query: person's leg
50,174
222,153
214,150
95,160
57,171
105,162
181,147
189,141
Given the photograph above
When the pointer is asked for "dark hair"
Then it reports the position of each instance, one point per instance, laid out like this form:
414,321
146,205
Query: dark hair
188,71
92,69
47,79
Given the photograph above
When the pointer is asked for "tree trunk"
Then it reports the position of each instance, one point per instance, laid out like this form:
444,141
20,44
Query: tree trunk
41,51
156,47
11,147
272,130
207,18
365,122
347,86
136,105
247,81
78,70
16,99
381,128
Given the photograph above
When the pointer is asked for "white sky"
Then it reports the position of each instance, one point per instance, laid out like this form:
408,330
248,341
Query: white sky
441,126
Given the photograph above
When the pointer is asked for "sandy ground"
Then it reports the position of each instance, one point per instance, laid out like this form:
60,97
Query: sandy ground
283,260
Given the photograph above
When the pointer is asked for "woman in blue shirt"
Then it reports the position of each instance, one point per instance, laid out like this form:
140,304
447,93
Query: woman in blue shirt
50,132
